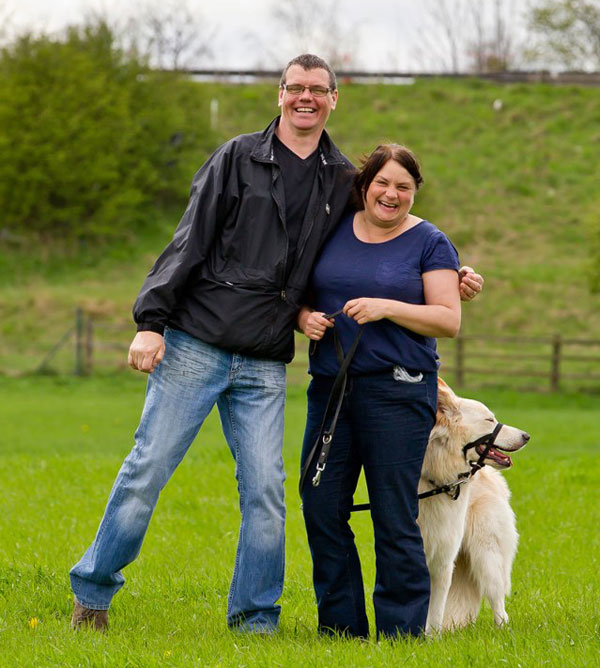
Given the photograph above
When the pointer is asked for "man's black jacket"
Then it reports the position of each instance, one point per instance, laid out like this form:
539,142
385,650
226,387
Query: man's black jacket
222,277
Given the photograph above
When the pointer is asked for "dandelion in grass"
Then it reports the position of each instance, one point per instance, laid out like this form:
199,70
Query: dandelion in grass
33,623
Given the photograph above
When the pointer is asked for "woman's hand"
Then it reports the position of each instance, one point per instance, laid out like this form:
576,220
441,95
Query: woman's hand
366,309
313,324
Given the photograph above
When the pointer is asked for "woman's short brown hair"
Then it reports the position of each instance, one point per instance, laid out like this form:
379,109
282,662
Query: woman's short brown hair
374,162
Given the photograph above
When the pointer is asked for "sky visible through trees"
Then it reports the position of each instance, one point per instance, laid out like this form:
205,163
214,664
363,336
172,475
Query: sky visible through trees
430,35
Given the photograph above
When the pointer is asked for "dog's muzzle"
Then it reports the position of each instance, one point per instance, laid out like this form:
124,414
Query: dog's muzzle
485,447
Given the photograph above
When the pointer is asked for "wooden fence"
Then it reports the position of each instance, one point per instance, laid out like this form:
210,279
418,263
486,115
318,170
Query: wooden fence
538,363
535,363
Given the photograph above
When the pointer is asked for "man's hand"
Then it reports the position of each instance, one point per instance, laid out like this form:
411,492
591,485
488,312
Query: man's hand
146,351
471,284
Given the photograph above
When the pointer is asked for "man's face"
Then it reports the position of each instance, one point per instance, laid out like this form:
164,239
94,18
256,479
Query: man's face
306,113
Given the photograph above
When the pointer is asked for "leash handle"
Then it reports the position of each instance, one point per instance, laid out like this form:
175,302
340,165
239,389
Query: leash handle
312,346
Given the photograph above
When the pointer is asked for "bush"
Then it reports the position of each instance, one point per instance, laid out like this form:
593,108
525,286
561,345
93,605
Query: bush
90,138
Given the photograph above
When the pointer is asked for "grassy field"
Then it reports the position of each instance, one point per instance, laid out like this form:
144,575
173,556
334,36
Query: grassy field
62,441
516,190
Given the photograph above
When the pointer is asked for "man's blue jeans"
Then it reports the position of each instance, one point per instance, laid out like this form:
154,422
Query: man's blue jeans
383,427
250,395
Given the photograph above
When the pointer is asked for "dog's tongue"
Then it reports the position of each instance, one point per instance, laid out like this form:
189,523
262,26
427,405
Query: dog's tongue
500,457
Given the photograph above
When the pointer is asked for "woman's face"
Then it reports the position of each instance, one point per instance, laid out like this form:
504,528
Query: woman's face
390,195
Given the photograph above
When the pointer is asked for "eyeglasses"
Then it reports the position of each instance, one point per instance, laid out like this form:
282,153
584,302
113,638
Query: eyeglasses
298,89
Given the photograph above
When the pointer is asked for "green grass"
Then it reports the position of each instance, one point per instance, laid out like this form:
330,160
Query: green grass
515,189
63,440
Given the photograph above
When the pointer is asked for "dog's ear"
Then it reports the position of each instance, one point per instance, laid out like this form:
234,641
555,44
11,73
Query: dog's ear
447,400
442,383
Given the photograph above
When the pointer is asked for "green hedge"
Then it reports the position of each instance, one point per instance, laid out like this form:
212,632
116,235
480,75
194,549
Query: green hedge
90,138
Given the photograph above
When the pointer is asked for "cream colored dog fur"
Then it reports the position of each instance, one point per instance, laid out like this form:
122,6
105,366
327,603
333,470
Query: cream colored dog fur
470,542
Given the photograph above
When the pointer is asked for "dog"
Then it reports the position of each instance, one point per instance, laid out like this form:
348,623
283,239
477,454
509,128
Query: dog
470,541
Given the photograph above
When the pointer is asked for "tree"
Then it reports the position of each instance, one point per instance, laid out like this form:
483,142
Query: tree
315,26
470,35
170,34
90,139
566,33
443,40
494,44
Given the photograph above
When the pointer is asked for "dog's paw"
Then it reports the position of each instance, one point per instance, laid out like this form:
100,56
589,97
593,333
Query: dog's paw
433,630
501,619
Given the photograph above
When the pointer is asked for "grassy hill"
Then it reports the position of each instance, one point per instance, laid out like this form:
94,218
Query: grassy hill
516,188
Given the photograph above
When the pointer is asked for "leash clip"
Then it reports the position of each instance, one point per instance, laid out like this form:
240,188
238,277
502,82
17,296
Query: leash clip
316,481
454,491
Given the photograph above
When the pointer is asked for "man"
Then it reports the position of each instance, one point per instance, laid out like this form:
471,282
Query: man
215,322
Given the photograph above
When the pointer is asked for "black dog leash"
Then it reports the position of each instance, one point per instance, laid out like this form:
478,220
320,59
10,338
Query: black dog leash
312,346
453,488
336,396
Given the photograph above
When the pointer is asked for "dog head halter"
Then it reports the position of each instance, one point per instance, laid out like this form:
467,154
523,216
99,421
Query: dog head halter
488,440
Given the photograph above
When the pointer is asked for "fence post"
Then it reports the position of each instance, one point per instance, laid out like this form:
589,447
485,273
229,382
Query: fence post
555,369
89,345
214,114
79,326
460,359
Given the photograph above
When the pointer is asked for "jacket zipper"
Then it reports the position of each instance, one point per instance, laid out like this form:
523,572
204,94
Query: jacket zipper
282,218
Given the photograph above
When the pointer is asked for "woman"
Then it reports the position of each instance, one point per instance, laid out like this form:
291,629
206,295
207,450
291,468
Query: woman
397,275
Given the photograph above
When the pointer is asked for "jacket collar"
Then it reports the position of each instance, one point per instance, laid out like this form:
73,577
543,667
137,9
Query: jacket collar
328,151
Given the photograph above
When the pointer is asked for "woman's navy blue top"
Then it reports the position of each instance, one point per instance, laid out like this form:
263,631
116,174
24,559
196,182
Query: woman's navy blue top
348,268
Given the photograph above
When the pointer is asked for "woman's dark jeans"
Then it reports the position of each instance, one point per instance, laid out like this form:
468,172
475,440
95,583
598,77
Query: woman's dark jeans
383,427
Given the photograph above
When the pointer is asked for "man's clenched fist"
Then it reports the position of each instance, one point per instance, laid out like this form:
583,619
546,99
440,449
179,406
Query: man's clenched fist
146,351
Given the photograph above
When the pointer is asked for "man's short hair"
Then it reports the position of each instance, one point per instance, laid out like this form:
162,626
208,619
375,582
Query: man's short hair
308,61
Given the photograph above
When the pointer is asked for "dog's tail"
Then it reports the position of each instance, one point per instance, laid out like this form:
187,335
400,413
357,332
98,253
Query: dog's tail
464,597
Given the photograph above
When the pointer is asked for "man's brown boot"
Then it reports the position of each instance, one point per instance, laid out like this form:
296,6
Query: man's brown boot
86,617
